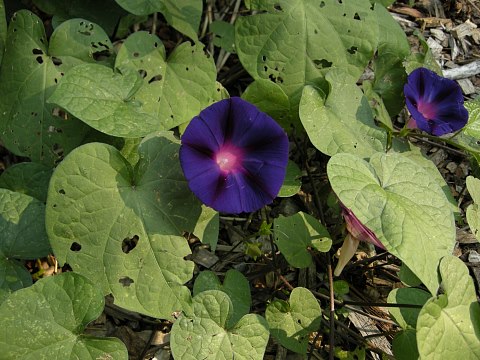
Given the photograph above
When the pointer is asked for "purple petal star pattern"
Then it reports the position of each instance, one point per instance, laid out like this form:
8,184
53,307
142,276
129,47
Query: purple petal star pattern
234,156
435,103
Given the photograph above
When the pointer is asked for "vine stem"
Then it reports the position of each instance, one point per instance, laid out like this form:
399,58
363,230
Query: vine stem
332,309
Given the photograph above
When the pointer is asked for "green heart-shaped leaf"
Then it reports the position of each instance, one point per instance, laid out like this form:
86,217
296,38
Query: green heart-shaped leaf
175,89
235,285
450,323
291,323
402,204
47,319
341,121
295,234
203,333
122,227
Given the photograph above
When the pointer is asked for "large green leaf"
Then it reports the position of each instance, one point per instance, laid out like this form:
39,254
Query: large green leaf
183,15
23,236
449,325
473,211
203,334
295,234
342,120
235,285
294,42
105,100
176,88
122,226
29,126
46,321
402,204
292,322
27,178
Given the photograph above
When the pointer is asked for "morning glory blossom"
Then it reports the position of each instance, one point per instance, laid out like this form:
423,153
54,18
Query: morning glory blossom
435,103
356,232
234,156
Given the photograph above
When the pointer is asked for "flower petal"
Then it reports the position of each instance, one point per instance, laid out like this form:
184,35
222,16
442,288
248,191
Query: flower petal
251,127
207,130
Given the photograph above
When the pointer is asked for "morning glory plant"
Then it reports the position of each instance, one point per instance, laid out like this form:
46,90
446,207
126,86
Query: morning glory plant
234,156
434,102
127,177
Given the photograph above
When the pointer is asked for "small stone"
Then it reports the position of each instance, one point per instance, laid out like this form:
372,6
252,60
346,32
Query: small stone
473,257
451,166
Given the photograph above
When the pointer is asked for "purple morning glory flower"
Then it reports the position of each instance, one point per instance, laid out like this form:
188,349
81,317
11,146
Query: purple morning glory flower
356,232
435,103
234,156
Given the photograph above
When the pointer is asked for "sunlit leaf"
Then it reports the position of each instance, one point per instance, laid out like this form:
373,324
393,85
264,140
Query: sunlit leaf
122,227
402,204
203,334
292,322
47,319
295,234
449,324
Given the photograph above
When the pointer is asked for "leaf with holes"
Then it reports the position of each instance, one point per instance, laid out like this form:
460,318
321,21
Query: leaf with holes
473,211
224,35
76,41
342,120
47,319
402,204
27,178
182,15
449,324
22,225
292,322
235,285
203,333
295,42
295,234
28,126
106,13
102,213
175,89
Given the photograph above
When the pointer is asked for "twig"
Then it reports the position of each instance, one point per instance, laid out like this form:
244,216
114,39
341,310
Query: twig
148,344
332,309
154,23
